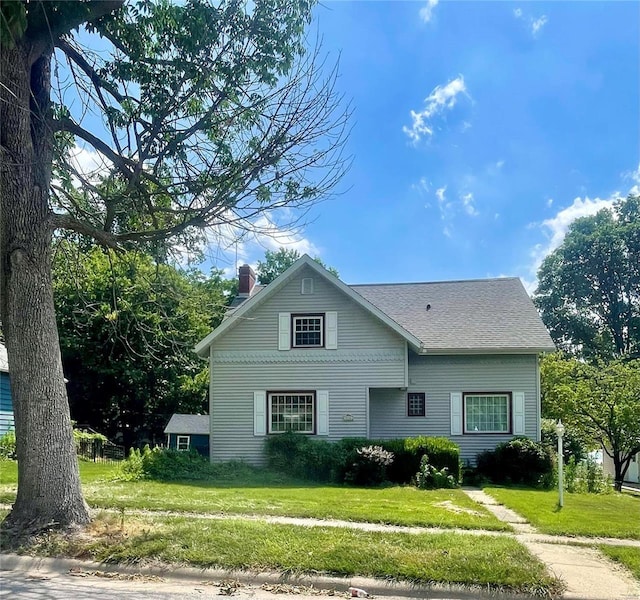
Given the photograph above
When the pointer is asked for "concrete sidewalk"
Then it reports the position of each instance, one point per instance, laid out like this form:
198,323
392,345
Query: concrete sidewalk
587,573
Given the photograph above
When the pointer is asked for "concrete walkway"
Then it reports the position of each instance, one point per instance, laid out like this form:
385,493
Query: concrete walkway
587,573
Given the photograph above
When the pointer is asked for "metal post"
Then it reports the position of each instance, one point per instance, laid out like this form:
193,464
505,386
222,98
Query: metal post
560,432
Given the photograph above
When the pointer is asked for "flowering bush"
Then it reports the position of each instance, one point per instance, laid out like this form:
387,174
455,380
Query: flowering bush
370,466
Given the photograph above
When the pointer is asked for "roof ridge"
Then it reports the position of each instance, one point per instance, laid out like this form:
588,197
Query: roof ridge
479,279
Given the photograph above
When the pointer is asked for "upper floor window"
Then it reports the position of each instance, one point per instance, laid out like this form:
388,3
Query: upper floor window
487,413
307,331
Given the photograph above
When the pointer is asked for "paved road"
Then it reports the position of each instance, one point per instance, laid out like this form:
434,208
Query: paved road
21,585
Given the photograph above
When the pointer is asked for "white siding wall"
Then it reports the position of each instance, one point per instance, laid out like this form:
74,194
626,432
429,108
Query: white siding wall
247,359
438,376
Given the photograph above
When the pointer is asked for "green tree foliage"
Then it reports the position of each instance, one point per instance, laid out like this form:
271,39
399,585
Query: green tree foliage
127,329
600,401
589,288
204,114
278,261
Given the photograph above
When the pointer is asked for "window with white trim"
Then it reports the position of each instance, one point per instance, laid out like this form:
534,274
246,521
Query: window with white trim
416,404
487,413
307,331
182,443
291,411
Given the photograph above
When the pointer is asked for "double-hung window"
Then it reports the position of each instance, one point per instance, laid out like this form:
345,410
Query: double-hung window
307,331
291,411
487,412
182,443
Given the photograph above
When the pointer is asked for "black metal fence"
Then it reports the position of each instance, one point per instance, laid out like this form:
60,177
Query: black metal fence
98,450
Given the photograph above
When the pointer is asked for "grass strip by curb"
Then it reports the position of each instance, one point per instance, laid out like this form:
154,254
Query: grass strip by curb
624,555
496,563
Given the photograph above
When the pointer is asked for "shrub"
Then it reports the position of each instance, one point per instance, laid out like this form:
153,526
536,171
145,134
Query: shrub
8,445
586,477
429,478
164,465
519,460
369,466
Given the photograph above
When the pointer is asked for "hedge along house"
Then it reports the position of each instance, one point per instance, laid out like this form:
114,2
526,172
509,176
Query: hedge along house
188,432
6,405
311,354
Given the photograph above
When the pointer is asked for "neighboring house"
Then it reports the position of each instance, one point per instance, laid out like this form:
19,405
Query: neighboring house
633,472
188,432
309,353
6,406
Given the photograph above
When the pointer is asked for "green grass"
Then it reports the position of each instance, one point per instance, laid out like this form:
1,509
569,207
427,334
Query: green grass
496,562
608,515
629,557
261,493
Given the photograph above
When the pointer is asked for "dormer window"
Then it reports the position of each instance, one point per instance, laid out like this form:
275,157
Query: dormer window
307,331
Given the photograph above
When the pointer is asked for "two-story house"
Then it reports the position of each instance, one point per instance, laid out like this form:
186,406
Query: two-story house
311,354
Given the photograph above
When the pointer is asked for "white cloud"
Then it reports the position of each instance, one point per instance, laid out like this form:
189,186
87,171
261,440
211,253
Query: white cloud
538,24
440,194
500,164
635,177
517,13
442,98
549,201
469,204
426,12
422,187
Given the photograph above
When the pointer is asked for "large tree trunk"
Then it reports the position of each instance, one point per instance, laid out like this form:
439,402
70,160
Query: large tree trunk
49,491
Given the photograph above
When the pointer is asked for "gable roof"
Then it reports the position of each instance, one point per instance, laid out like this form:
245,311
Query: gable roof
4,361
481,315
188,424
305,261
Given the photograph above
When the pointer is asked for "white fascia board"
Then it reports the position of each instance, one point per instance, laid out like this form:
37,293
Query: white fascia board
202,347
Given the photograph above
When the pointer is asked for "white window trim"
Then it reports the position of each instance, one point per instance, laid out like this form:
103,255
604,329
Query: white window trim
312,393
506,395
181,438
295,317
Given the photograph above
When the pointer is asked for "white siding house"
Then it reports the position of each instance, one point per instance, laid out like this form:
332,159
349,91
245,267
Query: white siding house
309,353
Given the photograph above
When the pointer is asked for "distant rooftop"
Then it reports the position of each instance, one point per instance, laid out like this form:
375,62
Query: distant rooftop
188,424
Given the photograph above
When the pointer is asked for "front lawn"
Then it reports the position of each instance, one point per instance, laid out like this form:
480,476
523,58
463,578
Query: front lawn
607,515
261,493
629,557
488,561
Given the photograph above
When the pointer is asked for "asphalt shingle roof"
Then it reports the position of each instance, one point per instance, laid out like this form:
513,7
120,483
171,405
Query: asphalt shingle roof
483,314
188,424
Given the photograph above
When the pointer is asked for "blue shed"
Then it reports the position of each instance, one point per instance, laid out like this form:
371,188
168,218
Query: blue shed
6,406
188,432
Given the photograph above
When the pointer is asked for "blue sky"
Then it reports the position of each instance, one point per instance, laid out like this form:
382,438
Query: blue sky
480,131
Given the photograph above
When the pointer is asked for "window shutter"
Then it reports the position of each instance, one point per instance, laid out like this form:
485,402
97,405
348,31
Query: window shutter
518,413
260,413
284,331
331,323
322,398
456,413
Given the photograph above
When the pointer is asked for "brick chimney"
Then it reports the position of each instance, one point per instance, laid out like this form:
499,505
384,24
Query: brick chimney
246,280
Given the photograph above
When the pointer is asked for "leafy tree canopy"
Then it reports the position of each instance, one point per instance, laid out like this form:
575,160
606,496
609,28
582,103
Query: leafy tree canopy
601,402
127,330
278,261
589,287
